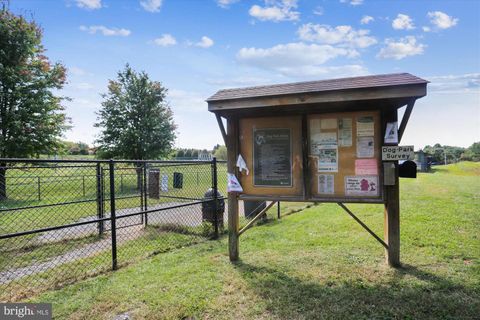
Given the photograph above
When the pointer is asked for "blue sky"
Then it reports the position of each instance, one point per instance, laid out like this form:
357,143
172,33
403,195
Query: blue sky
196,47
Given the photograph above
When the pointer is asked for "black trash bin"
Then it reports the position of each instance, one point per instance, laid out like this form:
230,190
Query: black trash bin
252,208
178,180
208,208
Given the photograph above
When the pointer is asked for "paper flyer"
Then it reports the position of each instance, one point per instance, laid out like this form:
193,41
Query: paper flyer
328,159
314,126
321,139
361,185
366,167
391,132
326,184
164,183
326,124
365,127
345,132
365,147
232,183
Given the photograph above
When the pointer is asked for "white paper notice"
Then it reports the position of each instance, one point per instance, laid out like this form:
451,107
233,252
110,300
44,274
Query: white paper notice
164,183
345,132
391,132
242,165
314,126
320,140
361,185
327,159
328,124
232,183
365,147
326,184
365,126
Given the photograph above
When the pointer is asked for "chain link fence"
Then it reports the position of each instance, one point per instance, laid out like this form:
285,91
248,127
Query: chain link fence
64,220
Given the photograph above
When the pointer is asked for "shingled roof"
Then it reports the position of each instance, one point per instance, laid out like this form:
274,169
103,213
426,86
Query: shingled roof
384,80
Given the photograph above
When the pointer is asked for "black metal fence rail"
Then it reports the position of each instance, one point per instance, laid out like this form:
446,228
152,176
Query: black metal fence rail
123,210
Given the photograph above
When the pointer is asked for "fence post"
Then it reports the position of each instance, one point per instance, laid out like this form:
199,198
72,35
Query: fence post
39,190
113,226
278,209
215,194
83,185
99,174
145,203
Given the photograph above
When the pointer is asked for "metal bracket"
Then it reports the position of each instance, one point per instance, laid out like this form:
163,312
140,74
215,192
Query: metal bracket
363,225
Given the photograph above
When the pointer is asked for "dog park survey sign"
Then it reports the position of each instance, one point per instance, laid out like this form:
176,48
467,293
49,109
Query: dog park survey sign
393,153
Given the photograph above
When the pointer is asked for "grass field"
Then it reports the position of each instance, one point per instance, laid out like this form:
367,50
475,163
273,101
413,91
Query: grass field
313,264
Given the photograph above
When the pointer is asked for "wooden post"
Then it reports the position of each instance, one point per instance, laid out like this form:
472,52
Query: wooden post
233,222
392,208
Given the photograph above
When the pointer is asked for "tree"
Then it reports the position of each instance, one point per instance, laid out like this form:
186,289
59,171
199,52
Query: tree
136,121
180,153
221,153
472,153
32,117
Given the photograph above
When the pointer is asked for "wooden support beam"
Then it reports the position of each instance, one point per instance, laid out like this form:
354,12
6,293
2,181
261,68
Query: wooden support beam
406,116
258,216
360,222
222,128
391,226
233,223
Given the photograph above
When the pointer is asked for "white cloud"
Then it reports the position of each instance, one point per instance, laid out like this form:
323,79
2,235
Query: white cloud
402,48
293,59
276,10
232,82
469,82
366,19
166,40
225,3
77,71
106,31
151,5
318,11
205,42
84,86
89,4
426,29
442,20
186,101
403,22
352,2
350,70
341,35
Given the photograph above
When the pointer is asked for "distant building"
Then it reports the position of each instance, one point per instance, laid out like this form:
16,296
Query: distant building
423,161
205,156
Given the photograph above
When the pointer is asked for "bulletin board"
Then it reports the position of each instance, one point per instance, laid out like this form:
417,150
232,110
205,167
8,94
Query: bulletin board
344,155
272,150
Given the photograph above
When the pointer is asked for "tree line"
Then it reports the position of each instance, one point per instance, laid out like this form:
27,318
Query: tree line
452,154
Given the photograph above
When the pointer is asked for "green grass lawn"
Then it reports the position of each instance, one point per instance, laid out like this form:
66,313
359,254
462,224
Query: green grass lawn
317,263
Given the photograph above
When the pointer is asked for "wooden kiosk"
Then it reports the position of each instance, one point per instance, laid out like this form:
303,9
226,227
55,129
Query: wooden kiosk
318,141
